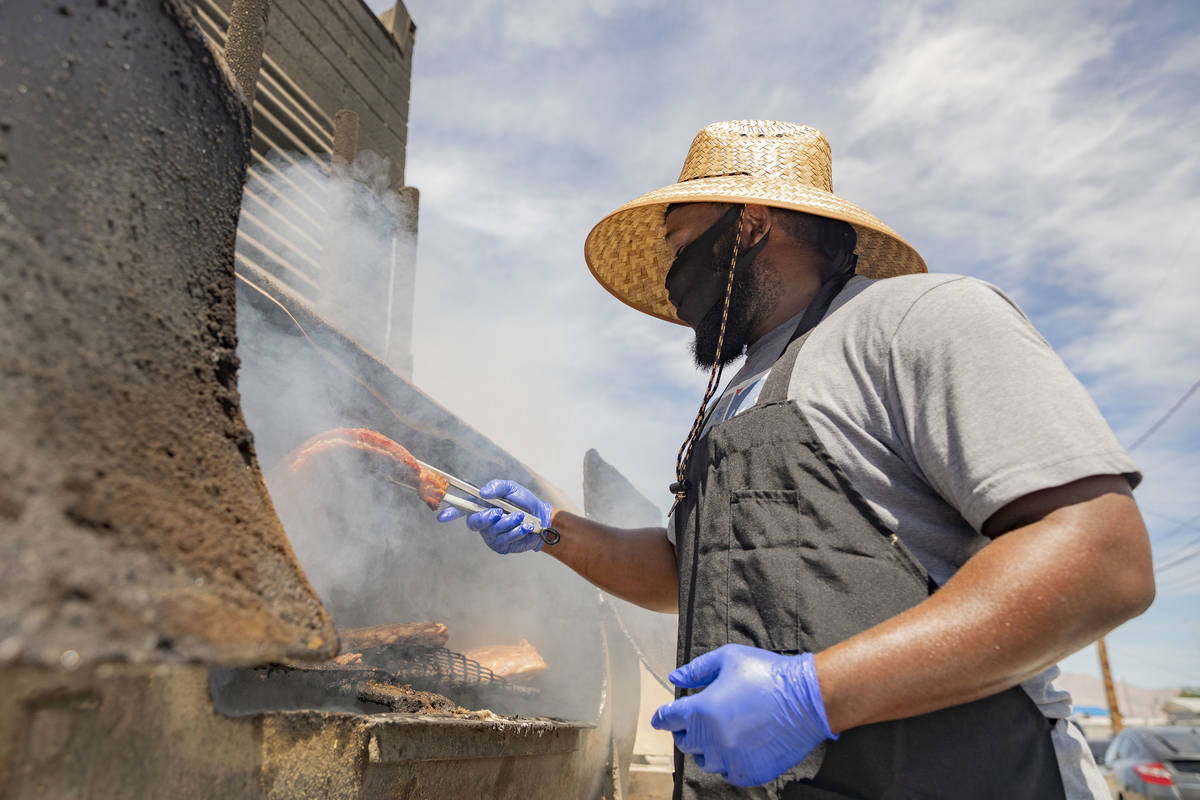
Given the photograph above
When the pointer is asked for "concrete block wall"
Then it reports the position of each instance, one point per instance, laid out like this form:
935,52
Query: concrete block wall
343,56
324,60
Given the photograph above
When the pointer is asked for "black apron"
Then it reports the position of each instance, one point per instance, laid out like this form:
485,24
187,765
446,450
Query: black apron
777,550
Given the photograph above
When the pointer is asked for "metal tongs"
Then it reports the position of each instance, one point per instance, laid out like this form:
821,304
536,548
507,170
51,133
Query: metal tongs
479,503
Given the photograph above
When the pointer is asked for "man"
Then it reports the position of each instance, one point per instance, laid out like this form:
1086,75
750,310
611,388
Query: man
902,511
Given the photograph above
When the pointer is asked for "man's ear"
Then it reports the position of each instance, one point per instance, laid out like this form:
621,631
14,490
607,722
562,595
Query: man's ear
755,224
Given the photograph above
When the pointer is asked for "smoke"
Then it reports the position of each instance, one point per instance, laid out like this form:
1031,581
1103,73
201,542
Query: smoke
342,239
370,253
337,251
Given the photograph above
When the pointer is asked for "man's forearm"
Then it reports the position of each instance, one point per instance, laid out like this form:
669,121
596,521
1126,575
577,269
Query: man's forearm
636,565
1030,597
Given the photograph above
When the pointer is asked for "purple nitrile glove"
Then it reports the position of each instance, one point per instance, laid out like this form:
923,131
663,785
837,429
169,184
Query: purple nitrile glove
505,533
760,715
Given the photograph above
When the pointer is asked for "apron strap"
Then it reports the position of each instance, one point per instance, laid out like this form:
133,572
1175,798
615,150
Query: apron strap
775,389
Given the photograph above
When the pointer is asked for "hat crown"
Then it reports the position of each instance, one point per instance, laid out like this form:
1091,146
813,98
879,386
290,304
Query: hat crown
778,151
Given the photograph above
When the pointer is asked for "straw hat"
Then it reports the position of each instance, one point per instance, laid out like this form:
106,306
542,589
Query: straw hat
778,164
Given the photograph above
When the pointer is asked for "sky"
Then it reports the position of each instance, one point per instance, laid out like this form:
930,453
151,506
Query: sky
1050,149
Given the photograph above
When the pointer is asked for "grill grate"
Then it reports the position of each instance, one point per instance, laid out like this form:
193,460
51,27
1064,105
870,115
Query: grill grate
437,669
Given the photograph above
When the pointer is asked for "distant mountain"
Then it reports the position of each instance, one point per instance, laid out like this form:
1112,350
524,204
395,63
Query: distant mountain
1088,690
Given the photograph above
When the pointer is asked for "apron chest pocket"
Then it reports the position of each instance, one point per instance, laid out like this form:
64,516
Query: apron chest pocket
764,569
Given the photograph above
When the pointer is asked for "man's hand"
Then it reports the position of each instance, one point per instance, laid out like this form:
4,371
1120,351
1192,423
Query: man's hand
760,714
505,533
636,565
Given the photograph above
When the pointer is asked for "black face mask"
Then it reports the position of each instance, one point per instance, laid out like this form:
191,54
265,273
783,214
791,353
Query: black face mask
699,275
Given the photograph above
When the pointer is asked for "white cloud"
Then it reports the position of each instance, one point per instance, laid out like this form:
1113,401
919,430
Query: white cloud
1026,151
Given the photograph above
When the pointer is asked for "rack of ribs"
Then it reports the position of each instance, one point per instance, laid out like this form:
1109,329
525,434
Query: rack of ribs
402,634
518,662
431,488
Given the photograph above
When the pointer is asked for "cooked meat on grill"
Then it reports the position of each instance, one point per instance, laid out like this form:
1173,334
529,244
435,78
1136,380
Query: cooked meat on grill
513,662
415,634
431,488
331,670
414,701
347,659
406,698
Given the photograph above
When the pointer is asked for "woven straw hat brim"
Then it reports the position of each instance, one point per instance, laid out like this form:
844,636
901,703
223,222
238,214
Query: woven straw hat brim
627,250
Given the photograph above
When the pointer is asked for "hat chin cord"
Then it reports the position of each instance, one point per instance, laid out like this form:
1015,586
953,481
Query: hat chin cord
843,262
680,487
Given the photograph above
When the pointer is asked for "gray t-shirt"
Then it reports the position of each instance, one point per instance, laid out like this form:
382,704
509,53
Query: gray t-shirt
942,404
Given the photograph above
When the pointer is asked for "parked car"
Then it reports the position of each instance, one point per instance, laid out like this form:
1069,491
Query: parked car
1098,747
1153,763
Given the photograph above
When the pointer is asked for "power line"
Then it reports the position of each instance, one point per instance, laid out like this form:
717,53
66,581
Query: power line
1175,670
1182,579
1179,580
1180,592
1125,651
1182,526
1162,463
1179,559
1170,413
1160,515
1185,586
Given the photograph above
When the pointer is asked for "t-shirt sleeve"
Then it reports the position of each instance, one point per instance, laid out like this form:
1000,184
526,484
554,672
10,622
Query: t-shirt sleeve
984,407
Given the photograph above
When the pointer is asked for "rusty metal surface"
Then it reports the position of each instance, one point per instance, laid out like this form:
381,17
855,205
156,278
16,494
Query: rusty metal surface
127,731
134,524
318,756
121,731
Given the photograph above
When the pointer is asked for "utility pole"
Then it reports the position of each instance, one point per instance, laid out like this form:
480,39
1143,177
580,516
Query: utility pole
1110,691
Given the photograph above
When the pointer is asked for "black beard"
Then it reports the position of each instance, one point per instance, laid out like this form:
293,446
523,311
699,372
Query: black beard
737,326
755,290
